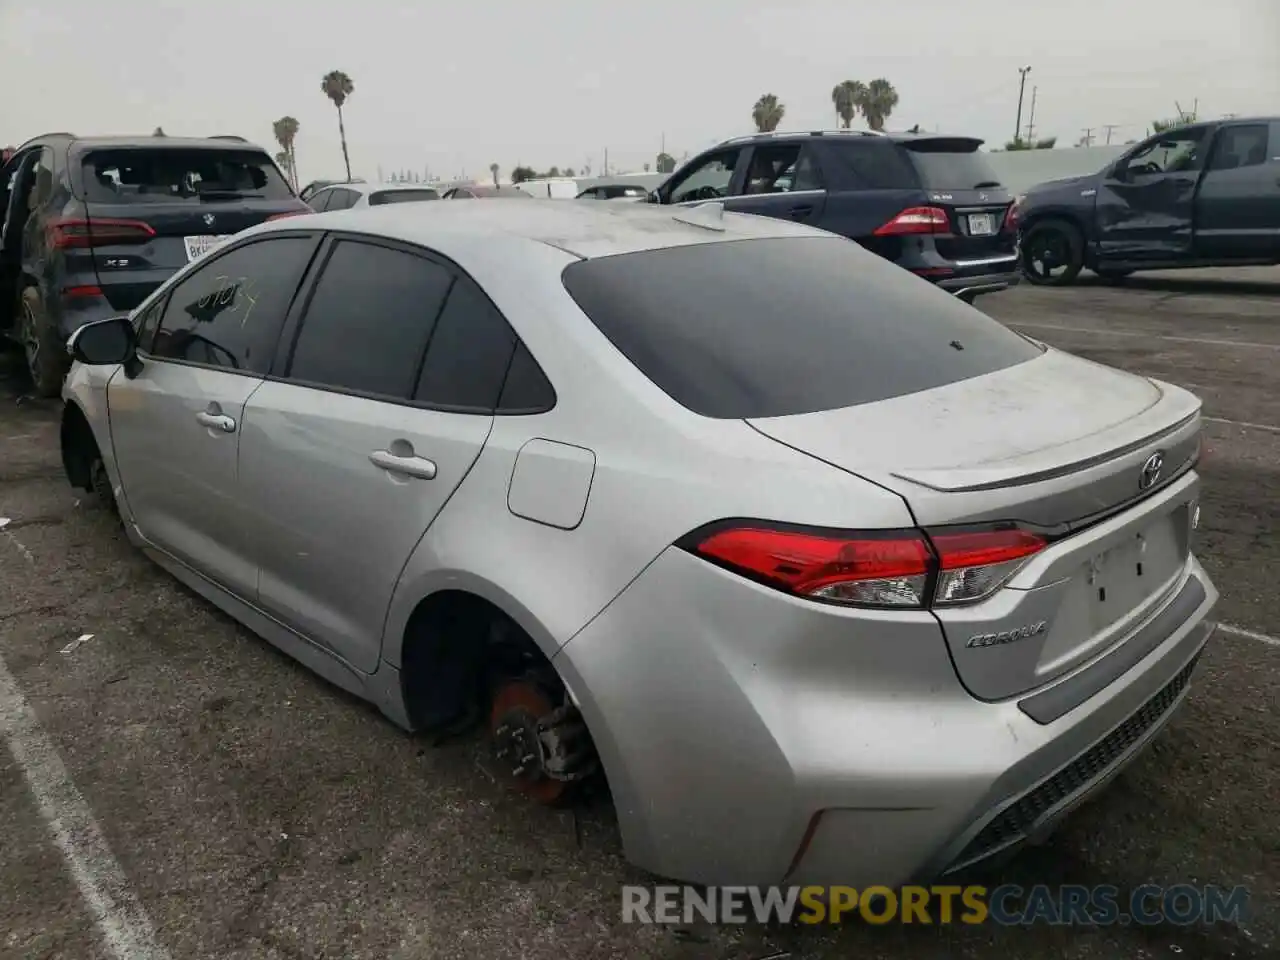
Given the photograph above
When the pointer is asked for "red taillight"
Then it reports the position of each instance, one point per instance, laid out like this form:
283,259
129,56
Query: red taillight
85,291
880,569
1011,216
82,234
916,220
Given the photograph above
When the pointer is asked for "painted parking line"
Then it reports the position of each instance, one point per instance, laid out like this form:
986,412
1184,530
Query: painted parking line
1235,631
1142,335
124,925
1270,428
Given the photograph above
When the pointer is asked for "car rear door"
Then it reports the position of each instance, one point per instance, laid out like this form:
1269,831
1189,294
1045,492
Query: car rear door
347,458
146,211
782,180
1147,201
1237,208
176,423
959,181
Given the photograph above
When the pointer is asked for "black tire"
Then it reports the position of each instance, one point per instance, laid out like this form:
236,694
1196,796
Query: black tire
1051,245
1112,276
45,351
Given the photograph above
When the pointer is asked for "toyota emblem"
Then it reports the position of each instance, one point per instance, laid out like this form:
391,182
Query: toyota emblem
1151,471
208,219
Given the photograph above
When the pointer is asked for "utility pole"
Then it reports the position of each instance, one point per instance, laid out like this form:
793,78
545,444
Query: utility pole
1087,139
1022,86
606,161
1109,127
1031,120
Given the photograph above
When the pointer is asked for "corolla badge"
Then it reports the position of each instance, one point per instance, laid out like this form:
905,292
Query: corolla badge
1008,636
208,219
1151,471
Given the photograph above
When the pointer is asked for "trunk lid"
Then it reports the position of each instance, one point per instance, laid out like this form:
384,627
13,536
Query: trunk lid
152,210
1057,443
958,179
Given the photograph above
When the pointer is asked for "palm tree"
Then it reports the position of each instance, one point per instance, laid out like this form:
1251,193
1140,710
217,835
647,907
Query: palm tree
493,169
768,113
878,102
286,131
337,86
846,97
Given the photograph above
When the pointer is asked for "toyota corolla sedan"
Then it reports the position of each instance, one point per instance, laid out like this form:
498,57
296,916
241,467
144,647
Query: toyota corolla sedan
833,578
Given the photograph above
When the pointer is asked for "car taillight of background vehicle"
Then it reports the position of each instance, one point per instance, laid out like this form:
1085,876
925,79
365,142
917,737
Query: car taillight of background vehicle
1011,217
904,569
914,221
82,234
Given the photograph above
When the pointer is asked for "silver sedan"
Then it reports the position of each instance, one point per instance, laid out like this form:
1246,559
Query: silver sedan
831,576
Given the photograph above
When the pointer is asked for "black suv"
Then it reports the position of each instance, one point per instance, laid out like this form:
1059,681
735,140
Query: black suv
932,204
92,225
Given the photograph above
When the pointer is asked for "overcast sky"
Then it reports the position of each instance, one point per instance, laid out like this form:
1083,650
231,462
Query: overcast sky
455,87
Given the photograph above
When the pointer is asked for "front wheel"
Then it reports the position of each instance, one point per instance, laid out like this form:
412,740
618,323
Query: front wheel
1052,253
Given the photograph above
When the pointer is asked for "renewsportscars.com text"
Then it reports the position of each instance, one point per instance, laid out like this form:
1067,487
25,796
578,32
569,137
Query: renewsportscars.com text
1009,905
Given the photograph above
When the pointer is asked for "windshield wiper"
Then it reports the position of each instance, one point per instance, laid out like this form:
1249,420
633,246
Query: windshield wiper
986,184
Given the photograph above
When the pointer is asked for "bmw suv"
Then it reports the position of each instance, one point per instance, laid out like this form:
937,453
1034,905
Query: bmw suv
91,226
931,204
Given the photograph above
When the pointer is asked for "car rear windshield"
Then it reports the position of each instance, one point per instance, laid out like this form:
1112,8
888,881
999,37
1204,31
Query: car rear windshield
773,327
401,196
180,174
951,164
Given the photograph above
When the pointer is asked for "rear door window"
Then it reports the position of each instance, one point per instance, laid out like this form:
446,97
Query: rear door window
180,175
873,164
951,163
368,320
772,327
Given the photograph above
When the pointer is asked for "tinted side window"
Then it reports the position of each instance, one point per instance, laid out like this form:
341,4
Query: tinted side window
401,196
146,323
319,201
229,312
342,199
527,389
368,320
1242,146
772,327
874,166
469,353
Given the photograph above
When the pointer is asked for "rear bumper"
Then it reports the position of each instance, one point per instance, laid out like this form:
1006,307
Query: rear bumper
969,286
750,738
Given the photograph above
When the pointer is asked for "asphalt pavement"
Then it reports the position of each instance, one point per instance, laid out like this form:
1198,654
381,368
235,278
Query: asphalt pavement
235,806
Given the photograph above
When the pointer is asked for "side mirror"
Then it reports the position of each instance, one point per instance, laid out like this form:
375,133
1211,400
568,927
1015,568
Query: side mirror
653,196
103,342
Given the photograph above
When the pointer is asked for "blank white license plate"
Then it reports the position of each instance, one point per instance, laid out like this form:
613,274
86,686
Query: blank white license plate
1129,573
197,247
981,224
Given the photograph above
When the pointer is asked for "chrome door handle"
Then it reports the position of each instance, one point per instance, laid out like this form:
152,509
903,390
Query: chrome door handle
419,467
216,421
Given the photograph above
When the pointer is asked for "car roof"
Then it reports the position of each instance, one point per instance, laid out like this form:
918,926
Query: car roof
488,190
163,143
583,230
893,136
381,187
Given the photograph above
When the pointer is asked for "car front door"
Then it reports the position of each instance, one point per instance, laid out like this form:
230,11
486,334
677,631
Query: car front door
1146,202
176,424
782,180
1238,207
712,176
348,457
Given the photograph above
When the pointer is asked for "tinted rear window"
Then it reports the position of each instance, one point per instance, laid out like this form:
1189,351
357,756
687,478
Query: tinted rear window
772,327
169,175
401,196
951,165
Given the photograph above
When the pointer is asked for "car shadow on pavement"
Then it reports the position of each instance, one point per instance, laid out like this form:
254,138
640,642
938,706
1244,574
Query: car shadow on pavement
1190,284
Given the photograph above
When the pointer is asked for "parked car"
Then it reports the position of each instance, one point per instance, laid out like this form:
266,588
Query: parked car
615,191
1202,195
344,195
93,225
307,192
837,578
929,203
476,191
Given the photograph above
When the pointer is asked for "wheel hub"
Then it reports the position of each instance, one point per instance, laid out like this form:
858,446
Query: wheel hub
544,748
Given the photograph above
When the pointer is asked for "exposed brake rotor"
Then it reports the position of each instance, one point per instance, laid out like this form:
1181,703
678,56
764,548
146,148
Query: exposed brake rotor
544,747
